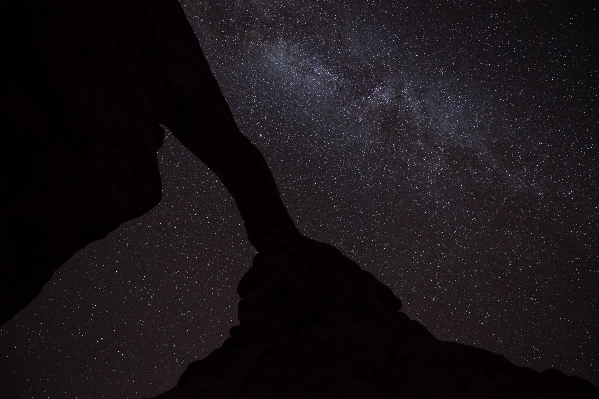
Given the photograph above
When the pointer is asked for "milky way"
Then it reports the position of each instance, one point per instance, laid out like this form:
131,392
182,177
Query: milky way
450,149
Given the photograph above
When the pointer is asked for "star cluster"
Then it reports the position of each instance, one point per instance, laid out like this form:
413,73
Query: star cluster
450,148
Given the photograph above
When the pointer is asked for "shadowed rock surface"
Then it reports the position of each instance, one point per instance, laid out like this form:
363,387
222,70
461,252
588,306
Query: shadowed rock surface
313,324
84,87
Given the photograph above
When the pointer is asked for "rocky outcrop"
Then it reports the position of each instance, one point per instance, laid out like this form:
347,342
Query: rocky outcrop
84,87
315,325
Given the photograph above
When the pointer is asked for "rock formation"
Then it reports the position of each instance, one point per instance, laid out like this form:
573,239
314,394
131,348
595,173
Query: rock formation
315,325
84,87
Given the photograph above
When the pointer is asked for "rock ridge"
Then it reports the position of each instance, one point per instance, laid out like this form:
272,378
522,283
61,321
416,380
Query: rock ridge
313,324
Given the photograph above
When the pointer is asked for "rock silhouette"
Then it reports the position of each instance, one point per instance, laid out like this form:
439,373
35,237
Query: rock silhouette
84,87
313,324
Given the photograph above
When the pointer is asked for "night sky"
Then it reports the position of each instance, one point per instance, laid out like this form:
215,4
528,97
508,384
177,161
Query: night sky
449,148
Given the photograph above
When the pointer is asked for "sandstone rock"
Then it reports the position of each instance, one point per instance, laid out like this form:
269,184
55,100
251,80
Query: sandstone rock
315,325
84,87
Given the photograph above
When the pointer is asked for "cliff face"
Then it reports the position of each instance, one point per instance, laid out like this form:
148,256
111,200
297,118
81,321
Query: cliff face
84,87
315,325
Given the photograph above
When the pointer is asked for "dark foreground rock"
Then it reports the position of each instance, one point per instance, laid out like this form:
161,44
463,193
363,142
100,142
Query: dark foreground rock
313,324
84,87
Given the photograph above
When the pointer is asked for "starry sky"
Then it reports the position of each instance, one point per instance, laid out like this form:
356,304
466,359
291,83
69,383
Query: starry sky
448,147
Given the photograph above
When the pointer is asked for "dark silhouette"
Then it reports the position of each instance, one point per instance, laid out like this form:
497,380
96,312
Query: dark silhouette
85,86
313,324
